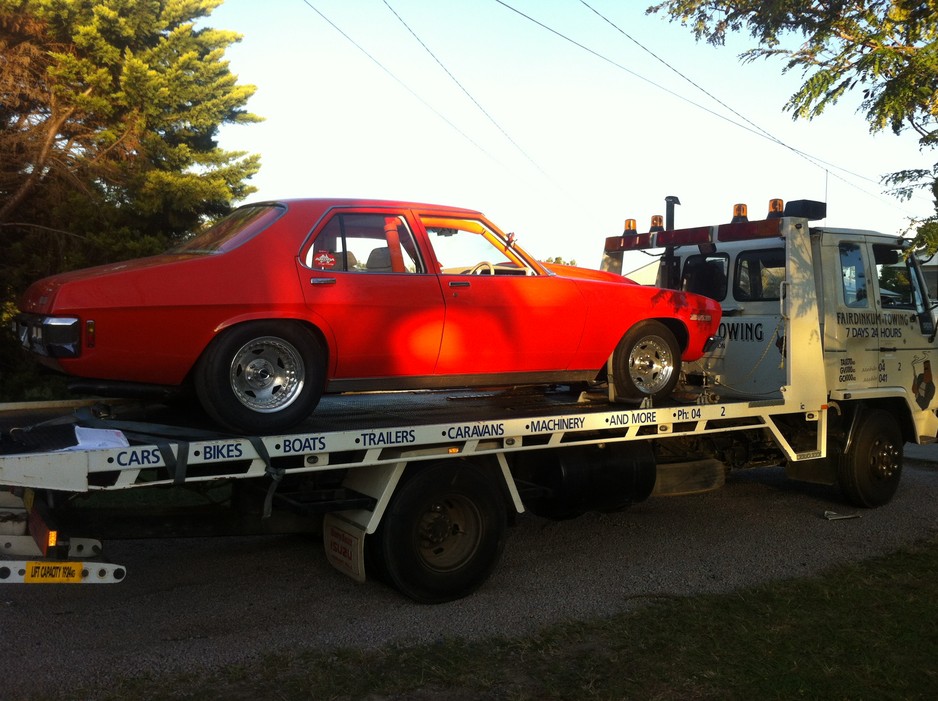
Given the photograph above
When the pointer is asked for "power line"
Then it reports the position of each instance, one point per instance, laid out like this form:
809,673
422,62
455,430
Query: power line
753,129
384,68
814,160
462,87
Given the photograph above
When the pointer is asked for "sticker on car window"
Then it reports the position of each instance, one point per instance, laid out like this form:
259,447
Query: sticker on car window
324,259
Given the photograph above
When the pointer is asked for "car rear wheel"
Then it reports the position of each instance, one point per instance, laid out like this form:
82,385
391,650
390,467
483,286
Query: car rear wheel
261,377
647,362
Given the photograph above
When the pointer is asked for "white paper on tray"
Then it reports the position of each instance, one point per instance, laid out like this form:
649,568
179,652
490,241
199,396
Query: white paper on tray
91,438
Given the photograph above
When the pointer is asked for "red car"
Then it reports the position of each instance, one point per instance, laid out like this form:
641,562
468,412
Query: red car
282,301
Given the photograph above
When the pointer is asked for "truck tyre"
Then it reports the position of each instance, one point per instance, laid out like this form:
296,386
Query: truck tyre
647,362
261,377
870,470
442,533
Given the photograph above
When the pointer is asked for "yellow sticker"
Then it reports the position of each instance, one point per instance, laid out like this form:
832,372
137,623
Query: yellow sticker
53,573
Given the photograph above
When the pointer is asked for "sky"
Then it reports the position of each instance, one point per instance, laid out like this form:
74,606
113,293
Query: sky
492,106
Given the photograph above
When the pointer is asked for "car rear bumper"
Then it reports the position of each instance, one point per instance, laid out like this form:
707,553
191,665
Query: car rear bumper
49,336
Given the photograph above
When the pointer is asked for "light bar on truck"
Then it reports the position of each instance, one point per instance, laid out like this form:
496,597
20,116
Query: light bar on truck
740,214
740,230
763,229
684,237
628,243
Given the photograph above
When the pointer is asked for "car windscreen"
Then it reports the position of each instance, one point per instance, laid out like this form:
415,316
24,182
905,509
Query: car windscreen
241,225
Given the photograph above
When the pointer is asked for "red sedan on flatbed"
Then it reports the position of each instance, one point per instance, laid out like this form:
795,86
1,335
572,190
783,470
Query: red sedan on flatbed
282,301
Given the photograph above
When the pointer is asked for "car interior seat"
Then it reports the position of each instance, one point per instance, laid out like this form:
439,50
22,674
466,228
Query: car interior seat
379,260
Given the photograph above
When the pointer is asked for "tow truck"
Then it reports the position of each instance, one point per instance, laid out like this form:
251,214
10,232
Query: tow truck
825,369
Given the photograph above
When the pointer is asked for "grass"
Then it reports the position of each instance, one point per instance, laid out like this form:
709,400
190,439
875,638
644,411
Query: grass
862,631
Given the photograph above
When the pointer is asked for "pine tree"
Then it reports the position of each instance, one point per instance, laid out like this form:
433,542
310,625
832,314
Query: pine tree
109,115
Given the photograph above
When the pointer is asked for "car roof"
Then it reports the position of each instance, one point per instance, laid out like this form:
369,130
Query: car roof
325,203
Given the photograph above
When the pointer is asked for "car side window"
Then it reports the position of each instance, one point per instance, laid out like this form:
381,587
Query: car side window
758,275
853,275
365,243
469,247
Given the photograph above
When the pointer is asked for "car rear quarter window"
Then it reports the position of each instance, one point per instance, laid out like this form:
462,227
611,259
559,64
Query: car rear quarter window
238,227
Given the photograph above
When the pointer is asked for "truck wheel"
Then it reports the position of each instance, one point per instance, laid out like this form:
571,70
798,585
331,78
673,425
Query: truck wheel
442,534
870,470
261,377
647,362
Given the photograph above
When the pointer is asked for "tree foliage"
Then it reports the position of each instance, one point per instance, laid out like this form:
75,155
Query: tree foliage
886,49
109,112
109,117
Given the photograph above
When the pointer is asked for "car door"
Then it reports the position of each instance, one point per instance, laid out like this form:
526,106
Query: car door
366,285
503,315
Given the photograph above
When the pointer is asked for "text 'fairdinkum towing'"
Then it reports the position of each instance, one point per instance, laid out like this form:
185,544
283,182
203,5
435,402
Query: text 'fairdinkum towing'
825,368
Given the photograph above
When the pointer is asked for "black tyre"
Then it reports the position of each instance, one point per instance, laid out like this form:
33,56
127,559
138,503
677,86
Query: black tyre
647,362
261,377
442,534
869,472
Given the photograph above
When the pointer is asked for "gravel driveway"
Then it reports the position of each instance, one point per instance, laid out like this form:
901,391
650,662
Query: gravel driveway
191,603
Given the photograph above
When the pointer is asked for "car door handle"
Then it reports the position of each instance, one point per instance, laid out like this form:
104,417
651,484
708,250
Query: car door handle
322,281
458,283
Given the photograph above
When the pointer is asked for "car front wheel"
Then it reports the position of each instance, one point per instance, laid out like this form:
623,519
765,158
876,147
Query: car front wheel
261,377
647,362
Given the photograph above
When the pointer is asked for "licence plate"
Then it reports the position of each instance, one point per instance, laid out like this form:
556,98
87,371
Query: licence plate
53,573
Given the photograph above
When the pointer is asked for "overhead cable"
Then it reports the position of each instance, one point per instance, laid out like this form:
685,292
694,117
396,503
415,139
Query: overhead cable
752,128
814,160
462,87
398,80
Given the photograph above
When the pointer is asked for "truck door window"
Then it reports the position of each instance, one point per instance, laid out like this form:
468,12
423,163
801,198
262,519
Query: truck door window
853,275
706,275
895,280
902,284
758,275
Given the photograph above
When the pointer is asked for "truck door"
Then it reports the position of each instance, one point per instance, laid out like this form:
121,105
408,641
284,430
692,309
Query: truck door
905,324
851,329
